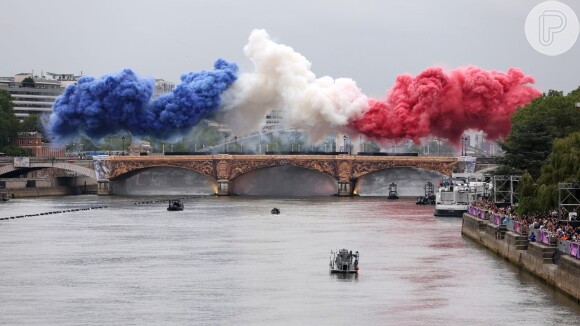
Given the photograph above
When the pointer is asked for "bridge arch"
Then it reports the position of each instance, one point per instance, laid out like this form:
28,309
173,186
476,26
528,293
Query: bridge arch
142,170
283,180
370,165
126,167
163,180
410,181
57,165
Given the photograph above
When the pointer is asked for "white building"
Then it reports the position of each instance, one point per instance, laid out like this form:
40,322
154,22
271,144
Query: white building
161,87
37,97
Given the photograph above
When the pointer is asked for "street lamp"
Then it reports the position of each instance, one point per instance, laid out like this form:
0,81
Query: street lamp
235,143
344,142
463,145
123,139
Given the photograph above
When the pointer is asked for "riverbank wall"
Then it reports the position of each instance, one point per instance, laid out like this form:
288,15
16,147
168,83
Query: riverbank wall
50,191
547,263
48,186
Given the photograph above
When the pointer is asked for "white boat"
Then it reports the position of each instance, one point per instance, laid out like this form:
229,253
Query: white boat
343,261
456,193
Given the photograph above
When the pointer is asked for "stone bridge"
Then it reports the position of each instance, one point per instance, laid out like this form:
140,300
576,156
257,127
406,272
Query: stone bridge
80,167
224,168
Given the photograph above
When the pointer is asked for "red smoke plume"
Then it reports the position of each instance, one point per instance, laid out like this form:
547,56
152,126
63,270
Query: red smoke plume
443,104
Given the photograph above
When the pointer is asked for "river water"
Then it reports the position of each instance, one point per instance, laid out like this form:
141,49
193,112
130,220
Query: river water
227,260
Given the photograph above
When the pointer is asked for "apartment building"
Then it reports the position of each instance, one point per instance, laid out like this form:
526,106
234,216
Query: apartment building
35,97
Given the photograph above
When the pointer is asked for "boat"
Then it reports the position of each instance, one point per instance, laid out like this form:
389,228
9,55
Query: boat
429,197
343,261
275,211
175,205
393,191
456,193
4,196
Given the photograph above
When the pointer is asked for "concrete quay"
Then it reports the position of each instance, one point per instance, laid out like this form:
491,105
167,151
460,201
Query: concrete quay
558,270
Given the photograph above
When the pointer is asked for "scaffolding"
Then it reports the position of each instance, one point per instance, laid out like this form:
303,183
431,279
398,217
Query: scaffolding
568,199
505,189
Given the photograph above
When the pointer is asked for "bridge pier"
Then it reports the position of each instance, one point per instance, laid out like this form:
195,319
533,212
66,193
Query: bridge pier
223,187
104,188
345,188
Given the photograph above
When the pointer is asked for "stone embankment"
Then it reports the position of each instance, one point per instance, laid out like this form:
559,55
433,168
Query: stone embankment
546,262
49,191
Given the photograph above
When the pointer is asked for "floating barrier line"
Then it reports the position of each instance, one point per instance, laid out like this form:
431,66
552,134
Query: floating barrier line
165,200
54,212
96,207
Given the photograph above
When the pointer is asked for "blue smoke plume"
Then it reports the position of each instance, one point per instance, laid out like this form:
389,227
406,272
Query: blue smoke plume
122,102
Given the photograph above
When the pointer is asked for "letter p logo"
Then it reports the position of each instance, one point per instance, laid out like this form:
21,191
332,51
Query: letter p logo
552,28
551,23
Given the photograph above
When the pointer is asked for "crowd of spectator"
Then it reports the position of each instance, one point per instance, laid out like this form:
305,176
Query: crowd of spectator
549,221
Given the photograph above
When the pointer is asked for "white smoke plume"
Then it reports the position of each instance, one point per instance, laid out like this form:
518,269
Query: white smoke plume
282,80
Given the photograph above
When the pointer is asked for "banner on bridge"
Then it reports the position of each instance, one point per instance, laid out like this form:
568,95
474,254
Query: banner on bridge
22,162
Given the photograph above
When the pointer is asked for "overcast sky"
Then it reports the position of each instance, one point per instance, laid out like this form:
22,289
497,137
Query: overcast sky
370,41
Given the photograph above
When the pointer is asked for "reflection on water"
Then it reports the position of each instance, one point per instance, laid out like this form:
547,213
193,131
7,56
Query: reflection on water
165,181
288,181
410,182
344,277
229,261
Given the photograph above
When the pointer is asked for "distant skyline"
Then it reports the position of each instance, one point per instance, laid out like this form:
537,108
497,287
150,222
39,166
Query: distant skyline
370,41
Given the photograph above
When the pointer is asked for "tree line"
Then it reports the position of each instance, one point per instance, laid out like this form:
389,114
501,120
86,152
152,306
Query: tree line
10,125
544,147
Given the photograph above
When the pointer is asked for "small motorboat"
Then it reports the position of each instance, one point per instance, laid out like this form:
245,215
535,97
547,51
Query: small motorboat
429,198
393,191
175,205
275,211
344,261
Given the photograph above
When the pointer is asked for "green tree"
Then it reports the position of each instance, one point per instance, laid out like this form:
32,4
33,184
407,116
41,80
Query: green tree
371,147
31,123
528,193
203,134
275,144
527,148
8,122
553,115
28,82
562,165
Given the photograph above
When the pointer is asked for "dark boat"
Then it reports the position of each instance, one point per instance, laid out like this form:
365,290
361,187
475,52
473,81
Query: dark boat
175,205
343,261
275,211
429,198
393,191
